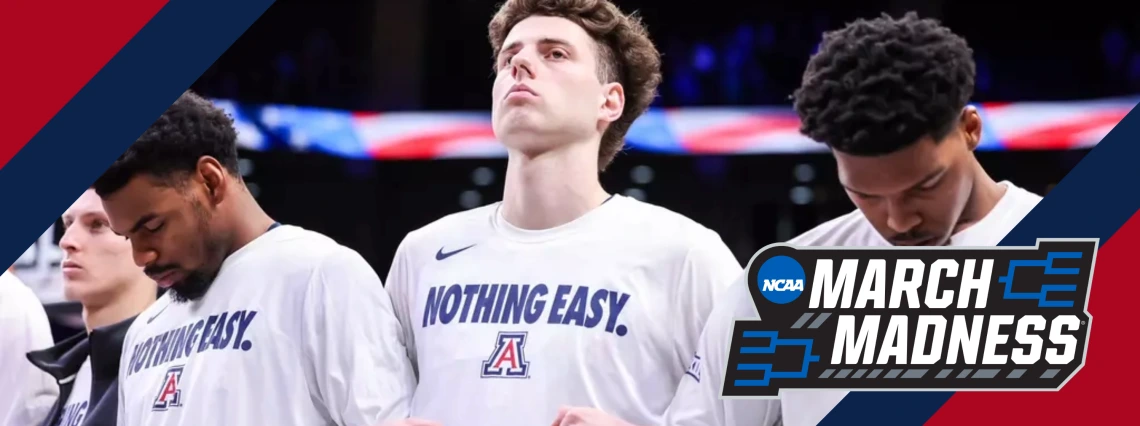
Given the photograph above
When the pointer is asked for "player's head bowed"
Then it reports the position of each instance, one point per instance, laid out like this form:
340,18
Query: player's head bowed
580,68
889,97
167,193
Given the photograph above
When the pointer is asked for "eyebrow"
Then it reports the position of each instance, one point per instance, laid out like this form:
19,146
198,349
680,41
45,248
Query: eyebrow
83,215
925,180
545,41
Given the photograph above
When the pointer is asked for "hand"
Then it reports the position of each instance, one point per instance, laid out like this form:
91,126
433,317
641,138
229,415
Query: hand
584,416
411,422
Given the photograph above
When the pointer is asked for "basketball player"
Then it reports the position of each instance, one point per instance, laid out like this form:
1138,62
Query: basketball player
26,394
261,323
99,273
888,96
561,293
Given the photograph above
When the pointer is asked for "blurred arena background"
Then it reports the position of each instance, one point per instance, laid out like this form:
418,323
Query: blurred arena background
365,120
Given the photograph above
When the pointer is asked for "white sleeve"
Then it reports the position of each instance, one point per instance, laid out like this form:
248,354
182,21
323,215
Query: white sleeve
26,393
709,268
357,367
399,284
698,401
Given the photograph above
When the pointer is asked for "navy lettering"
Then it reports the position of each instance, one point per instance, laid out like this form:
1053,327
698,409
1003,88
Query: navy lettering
617,303
489,303
215,333
536,304
596,312
501,295
469,293
485,304
559,304
243,325
193,339
431,311
207,332
450,303
73,414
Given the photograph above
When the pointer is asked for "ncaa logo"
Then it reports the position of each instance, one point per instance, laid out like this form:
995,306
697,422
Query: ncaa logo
781,279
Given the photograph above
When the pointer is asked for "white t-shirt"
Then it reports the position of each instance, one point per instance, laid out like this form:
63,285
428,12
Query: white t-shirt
698,401
75,410
26,392
506,325
296,330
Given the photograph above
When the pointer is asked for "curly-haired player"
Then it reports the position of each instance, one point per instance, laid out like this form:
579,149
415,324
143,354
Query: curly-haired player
889,97
561,294
262,323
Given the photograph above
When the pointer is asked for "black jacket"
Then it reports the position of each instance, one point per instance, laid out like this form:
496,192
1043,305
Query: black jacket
104,345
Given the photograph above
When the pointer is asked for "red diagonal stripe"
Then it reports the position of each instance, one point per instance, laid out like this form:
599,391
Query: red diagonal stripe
429,143
1101,392
734,136
51,50
1061,135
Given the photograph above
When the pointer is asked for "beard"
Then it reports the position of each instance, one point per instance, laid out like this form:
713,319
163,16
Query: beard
213,248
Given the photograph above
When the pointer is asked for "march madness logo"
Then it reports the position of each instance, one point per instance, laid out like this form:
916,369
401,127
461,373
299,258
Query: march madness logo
945,318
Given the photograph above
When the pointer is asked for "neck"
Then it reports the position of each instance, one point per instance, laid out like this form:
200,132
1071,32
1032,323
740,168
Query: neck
250,220
136,298
984,196
552,188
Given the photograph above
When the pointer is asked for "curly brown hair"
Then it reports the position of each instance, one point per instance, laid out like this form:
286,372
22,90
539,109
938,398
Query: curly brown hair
625,54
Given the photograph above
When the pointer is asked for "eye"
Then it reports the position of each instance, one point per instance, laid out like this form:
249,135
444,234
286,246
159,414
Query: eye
930,185
154,228
559,54
98,225
505,60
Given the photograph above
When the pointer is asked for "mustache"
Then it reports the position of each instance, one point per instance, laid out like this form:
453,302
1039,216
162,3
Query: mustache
158,269
911,237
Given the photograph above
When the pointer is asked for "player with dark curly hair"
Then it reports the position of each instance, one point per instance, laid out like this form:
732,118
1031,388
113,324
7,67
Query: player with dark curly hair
561,294
262,323
889,97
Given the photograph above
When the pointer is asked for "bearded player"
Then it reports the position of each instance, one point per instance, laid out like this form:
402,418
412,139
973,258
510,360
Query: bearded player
903,138
562,293
262,323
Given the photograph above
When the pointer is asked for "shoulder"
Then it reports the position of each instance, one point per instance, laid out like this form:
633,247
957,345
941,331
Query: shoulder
297,250
17,301
660,227
468,222
454,231
1023,200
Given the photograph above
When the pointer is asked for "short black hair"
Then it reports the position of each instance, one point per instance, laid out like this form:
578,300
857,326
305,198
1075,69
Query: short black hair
877,86
191,128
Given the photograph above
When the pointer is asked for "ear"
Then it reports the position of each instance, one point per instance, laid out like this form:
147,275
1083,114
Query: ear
971,124
214,178
613,102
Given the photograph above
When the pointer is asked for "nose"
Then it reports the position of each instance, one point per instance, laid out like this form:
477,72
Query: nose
143,255
522,66
69,242
901,217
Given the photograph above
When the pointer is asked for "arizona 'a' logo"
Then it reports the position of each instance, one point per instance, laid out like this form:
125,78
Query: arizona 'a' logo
508,359
170,395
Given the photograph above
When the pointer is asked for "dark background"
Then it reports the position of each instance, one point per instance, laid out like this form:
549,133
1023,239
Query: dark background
433,55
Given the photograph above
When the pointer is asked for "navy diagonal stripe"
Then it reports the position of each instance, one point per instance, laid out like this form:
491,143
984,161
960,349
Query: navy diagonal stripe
112,110
1087,203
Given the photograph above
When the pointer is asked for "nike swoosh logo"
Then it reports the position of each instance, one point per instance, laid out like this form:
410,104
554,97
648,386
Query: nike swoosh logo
160,311
440,255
